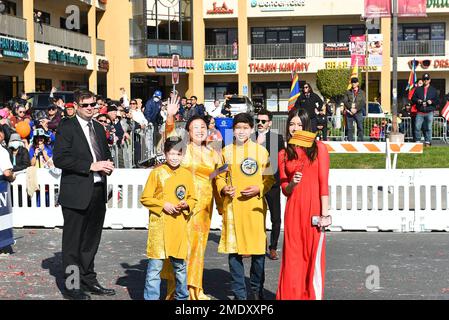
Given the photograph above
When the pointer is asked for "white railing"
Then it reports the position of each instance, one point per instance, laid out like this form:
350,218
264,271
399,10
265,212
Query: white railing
13,26
369,200
62,38
422,48
278,51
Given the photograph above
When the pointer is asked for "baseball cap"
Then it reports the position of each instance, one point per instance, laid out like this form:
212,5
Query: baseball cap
354,80
426,76
158,94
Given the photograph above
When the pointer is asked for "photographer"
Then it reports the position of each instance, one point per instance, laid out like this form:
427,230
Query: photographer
105,121
40,152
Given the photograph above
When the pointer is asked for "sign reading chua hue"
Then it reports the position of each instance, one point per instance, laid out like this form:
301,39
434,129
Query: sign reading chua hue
66,57
167,63
281,67
220,10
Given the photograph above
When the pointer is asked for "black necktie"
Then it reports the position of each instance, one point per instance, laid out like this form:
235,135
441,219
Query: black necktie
94,142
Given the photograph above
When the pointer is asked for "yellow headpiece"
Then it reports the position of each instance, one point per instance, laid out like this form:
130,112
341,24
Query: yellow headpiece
303,139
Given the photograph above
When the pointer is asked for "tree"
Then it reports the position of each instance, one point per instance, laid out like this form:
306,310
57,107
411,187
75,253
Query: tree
333,83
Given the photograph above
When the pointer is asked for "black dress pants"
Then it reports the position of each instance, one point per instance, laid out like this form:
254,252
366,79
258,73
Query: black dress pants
81,236
274,204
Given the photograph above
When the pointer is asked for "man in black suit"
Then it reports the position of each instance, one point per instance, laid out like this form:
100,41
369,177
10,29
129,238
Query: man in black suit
82,152
274,143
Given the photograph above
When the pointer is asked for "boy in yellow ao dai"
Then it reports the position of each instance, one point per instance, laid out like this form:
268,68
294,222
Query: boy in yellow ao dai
243,233
170,197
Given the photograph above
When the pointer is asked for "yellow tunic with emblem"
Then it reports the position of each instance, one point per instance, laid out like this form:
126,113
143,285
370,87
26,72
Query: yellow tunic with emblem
243,229
200,165
167,234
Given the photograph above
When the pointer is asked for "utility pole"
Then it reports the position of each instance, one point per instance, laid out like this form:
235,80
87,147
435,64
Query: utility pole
395,136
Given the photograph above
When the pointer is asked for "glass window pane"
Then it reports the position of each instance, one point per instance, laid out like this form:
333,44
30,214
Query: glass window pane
423,34
258,36
284,36
298,35
409,34
271,37
438,31
330,34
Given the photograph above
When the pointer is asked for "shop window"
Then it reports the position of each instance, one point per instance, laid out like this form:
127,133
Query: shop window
429,31
10,8
343,33
278,35
43,85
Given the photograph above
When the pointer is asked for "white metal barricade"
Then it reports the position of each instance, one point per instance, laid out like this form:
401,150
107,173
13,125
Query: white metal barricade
370,200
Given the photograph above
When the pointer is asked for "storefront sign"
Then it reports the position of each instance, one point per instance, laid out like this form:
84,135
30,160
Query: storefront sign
345,65
437,4
13,48
340,47
441,64
375,48
279,67
223,9
220,67
165,65
103,64
358,50
66,57
277,5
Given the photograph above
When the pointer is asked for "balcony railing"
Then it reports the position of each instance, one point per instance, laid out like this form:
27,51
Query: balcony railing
100,47
61,38
151,48
221,52
422,48
12,26
278,51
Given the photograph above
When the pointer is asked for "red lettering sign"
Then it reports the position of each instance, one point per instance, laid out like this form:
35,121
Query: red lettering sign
220,10
282,67
167,63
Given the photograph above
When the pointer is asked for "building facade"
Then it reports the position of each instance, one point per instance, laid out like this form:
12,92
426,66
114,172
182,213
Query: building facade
248,47
69,45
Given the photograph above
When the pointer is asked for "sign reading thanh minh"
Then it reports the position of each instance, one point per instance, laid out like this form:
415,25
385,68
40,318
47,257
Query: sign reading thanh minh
279,67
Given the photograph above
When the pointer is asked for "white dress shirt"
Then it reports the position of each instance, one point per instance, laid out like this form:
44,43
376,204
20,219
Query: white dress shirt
84,126
214,112
5,162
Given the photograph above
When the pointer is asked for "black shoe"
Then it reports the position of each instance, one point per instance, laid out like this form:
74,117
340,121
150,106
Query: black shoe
97,289
75,295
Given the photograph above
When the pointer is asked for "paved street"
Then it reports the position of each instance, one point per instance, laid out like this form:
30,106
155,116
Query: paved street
412,266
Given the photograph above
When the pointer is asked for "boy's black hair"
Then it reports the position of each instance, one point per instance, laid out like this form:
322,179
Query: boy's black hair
265,112
174,143
243,118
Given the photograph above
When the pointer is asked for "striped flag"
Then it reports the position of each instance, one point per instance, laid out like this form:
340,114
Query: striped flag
223,169
354,74
412,77
445,112
6,236
295,91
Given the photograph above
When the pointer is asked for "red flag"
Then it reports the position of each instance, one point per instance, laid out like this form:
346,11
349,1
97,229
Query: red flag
445,112
377,8
412,8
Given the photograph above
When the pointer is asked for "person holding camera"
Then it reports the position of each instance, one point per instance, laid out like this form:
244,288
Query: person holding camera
427,101
40,151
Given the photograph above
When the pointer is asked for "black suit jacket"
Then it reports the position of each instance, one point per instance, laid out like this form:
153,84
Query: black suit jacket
72,155
274,143
432,95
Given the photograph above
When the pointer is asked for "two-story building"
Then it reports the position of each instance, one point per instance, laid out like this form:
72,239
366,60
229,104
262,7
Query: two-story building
64,44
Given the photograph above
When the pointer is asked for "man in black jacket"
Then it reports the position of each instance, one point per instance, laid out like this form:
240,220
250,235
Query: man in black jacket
274,143
82,152
355,102
426,100
311,102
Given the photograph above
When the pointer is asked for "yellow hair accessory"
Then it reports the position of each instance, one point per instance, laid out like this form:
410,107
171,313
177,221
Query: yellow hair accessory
303,139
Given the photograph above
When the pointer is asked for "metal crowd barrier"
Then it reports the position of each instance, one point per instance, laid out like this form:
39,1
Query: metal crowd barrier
337,131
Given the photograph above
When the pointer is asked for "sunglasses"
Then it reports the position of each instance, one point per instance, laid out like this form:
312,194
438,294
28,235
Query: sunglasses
133,103
425,64
20,111
85,105
261,121
102,121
